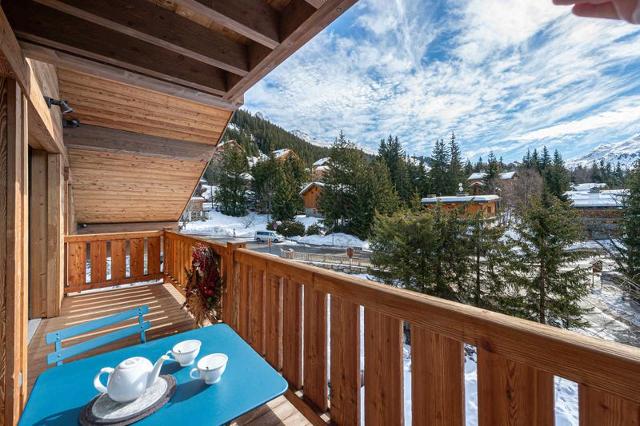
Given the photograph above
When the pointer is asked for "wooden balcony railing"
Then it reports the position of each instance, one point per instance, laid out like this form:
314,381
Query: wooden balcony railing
306,321
104,260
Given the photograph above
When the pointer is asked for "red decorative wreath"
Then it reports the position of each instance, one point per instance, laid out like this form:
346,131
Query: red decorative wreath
204,285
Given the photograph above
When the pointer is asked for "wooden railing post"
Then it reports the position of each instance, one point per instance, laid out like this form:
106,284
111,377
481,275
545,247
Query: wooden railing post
231,273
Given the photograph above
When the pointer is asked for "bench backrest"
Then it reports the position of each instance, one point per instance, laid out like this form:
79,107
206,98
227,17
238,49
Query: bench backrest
57,337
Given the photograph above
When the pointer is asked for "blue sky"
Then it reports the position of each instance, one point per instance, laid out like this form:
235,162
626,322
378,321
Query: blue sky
505,75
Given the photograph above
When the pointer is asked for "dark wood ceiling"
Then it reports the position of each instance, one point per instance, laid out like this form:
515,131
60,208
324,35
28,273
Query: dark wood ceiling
217,47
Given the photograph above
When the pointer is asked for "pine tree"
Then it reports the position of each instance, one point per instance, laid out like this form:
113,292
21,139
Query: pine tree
493,168
552,282
468,169
438,175
232,183
264,183
627,251
393,156
355,190
422,251
286,198
545,160
456,173
556,176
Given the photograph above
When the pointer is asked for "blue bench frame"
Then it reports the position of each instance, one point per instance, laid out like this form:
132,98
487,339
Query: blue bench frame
57,337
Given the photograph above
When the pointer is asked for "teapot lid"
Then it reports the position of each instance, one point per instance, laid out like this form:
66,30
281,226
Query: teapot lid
132,362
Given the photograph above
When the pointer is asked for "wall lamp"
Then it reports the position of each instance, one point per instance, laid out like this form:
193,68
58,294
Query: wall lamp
64,106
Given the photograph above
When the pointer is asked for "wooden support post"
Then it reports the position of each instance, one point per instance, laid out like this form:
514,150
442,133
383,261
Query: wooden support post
46,223
38,235
13,250
55,234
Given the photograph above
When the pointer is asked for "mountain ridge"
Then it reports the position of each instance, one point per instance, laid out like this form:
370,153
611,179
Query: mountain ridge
627,152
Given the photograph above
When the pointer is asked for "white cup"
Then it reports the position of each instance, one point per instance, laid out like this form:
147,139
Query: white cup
210,368
185,352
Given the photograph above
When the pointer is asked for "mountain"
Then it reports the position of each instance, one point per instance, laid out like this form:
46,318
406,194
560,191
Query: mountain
626,152
310,139
257,135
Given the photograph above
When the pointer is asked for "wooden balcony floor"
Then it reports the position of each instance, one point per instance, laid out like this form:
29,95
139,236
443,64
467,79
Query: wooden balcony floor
166,317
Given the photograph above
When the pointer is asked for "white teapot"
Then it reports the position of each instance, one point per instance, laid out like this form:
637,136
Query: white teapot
129,379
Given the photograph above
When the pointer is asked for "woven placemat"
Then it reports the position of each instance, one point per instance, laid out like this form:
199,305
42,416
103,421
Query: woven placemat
104,411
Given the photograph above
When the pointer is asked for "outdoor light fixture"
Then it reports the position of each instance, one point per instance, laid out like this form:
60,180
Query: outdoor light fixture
70,124
64,106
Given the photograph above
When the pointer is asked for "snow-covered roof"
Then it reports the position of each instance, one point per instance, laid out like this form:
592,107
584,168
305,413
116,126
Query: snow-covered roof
461,199
246,176
587,186
477,176
278,153
321,162
311,185
586,199
483,175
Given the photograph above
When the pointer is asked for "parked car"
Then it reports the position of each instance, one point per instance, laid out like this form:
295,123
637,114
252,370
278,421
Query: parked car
265,236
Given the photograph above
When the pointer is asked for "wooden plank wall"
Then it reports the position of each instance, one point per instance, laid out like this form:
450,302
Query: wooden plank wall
13,249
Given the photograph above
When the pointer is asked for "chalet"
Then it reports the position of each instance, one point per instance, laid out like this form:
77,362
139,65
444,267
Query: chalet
110,112
311,196
471,205
477,181
319,169
283,154
600,210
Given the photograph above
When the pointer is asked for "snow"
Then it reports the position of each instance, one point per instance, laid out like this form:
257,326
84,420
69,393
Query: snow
583,187
626,152
278,153
460,199
604,198
310,185
337,239
221,225
255,160
482,175
321,162
477,176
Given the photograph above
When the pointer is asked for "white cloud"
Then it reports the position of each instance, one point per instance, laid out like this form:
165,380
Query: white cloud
503,75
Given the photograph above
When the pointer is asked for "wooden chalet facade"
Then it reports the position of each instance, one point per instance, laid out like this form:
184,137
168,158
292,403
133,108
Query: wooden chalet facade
152,85
471,205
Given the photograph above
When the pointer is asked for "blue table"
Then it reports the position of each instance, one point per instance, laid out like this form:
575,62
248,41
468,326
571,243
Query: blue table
61,392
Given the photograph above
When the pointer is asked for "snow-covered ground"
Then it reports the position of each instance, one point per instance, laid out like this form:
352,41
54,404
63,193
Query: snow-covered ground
220,225
337,239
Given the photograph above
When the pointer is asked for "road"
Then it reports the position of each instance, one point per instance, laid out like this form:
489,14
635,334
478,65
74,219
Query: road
275,248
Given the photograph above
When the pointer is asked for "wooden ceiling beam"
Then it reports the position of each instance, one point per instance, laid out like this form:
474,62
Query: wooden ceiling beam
148,22
299,23
49,27
66,61
253,19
